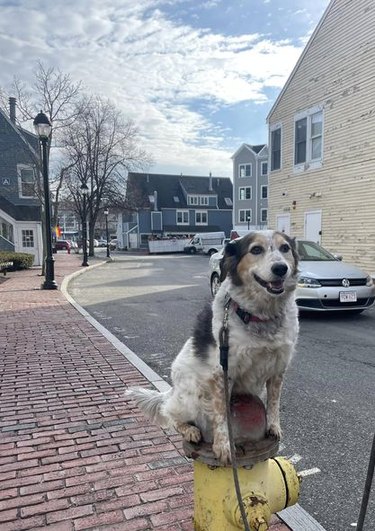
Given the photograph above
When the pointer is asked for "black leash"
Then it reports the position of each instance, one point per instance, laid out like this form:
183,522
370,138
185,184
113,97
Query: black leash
224,350
366,493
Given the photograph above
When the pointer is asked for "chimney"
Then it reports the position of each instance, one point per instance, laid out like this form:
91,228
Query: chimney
155,200
210,189
12,109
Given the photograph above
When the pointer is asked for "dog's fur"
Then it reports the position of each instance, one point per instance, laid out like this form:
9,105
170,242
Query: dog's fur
259,274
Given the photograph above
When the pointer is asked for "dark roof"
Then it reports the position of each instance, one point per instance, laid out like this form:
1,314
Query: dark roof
20,212
170,187
258,148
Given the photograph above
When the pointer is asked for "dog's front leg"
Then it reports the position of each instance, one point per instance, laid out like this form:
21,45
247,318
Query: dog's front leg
274,385
220,445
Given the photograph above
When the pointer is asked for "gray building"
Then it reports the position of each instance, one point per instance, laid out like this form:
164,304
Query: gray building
174,205
20,209
250,187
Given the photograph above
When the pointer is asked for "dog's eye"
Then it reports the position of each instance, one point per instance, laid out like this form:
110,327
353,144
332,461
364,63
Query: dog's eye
257,249
284,248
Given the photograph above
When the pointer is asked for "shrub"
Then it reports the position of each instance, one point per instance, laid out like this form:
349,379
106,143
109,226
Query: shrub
20,260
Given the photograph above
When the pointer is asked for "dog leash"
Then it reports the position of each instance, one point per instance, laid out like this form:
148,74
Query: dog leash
224,351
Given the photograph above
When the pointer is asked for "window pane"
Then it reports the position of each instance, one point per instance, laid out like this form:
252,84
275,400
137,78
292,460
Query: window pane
316,124
264,168
264,215
300,140
264,192
276,149
316,148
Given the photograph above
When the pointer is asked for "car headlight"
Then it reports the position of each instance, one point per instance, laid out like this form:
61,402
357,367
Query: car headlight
307,282
369,281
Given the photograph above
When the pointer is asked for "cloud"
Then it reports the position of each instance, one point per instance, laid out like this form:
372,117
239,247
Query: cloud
154,68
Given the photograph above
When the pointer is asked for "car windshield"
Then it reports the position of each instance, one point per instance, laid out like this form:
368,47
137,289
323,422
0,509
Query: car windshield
312,251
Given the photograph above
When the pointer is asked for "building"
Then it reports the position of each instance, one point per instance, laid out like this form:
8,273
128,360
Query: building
322,137
20,208
174,205
250,187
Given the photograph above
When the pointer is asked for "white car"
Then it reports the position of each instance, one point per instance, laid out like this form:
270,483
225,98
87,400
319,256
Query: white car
325,283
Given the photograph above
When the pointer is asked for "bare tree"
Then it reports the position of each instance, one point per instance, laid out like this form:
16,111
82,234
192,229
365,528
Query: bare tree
103,145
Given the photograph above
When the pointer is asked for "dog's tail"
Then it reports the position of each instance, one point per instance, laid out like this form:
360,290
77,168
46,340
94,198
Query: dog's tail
149,402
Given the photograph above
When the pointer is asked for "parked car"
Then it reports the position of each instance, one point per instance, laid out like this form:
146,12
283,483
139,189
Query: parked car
62,245
102,243
325,283
113,244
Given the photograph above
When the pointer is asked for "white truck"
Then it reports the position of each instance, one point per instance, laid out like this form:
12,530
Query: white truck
206,242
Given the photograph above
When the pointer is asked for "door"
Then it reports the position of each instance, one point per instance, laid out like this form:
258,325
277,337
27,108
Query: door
29,240
313,226
283,223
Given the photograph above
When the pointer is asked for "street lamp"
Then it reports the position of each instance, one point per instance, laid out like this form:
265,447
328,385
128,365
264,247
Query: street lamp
43,129
85,191
248,222
106,212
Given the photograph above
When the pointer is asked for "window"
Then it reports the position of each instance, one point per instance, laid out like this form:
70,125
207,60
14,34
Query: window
201,217
228,201
263,215
6,230
26,182
27,238
264,191
308,131
244,192
203,200
264,168
193,200
244,216
245,170
276,148
182,217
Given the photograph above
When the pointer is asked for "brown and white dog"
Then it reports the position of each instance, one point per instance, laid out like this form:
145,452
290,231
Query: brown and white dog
259,277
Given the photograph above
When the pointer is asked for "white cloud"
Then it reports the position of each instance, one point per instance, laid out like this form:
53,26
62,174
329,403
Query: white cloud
155,69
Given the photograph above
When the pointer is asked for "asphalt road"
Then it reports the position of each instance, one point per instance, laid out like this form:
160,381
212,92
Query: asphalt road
328,403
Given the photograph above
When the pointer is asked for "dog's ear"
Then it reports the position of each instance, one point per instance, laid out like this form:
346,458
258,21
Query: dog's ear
293,245
230,251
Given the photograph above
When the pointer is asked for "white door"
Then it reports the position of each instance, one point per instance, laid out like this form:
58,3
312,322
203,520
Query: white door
313,226
283,223
29,240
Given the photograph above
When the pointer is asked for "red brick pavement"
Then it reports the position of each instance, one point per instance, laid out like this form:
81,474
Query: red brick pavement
74,454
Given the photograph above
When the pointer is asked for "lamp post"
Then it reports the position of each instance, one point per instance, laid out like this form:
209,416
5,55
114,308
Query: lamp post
106,212
43,129
248,222
85,191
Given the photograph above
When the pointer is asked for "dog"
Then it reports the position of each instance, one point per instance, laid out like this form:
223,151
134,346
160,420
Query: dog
257,292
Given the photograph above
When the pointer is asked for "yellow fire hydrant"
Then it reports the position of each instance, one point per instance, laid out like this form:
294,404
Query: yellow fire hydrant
267,483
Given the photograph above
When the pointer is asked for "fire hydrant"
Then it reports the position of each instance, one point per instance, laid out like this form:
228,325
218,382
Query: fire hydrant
267,483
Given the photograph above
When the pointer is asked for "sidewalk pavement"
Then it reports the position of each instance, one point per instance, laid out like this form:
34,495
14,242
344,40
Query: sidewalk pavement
74,454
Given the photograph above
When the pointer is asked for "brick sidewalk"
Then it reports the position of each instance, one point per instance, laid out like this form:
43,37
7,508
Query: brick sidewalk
74,454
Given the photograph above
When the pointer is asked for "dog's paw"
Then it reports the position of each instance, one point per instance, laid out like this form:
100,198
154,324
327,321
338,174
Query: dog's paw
222,452
274,431
192,434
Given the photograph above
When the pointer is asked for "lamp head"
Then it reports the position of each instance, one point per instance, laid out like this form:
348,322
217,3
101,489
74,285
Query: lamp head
84,189
106,212
42,125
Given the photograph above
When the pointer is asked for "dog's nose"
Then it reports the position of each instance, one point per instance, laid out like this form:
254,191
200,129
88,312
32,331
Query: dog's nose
279,269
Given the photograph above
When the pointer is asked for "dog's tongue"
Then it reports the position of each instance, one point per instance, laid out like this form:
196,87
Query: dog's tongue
277,284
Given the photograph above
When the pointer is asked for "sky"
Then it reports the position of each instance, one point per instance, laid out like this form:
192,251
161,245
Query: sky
198,77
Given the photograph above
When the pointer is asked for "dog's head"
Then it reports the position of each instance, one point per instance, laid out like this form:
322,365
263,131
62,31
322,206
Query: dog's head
262,260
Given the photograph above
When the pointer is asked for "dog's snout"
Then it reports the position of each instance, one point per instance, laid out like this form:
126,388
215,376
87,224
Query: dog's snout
279,269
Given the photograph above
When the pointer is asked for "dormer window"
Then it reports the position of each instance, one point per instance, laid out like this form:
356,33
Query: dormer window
26,181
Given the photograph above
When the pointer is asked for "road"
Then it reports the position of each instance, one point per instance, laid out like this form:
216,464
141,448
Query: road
328,403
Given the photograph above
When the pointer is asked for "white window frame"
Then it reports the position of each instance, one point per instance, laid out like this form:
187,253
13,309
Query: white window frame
309,163
245,220
193,200
21,167
203,200
183,215
240,166
261,167
261,215
201,212
273,128
264,186
245,188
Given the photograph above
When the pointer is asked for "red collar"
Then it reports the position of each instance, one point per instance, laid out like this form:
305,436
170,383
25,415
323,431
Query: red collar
245,316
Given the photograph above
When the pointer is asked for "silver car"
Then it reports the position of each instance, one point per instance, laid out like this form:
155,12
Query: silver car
325,283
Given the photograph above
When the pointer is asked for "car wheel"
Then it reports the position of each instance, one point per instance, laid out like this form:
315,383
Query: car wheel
193,250
215,284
